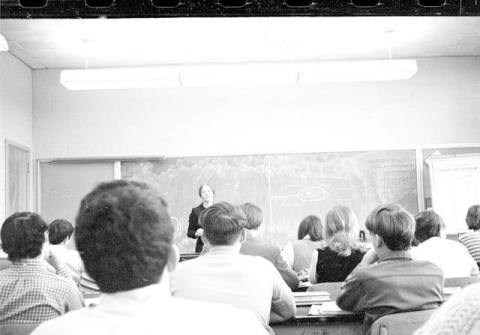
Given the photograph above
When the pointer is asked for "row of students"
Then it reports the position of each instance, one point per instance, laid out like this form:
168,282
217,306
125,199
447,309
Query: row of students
124,236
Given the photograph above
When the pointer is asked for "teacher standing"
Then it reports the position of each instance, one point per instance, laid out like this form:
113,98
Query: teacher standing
194,230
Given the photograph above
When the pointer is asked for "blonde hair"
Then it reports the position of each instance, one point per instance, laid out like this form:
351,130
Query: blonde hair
341,230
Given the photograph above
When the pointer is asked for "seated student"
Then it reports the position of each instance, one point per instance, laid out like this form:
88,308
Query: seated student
451,256
388,280
223,275
59,234
471,239
342,250
459,315
124,236
298,254
29,291
255,247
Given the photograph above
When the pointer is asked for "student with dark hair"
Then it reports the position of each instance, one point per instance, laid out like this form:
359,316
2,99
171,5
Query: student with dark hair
451,256
388,280
124,236
29,291
59,234
255,247
224,275
298,254
471,239
195,230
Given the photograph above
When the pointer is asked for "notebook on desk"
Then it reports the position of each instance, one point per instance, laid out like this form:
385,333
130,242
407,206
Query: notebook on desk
327,308
311,298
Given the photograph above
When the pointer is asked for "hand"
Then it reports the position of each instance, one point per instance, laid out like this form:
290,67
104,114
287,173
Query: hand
370,257
199,232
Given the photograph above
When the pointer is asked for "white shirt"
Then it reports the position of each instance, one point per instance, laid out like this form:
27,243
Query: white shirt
151,310
223,275
451,256
71,258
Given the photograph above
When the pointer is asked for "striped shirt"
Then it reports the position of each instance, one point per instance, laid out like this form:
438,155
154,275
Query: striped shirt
471,240
30,293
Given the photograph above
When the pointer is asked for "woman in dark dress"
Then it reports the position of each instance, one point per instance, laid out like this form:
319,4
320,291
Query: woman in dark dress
194,230
342,250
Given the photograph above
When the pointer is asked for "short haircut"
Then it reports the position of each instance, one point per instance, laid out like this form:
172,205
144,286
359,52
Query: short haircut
202,186
253,214
473,217
59,230
394,224
222,223
311,226
124,234
341,230
23,235
427,224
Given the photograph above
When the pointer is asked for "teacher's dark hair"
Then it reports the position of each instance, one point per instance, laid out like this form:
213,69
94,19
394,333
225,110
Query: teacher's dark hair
201,187
23,235
123,234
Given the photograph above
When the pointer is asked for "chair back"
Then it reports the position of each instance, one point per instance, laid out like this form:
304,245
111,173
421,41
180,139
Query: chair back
19,329
333,288
400,323
461,281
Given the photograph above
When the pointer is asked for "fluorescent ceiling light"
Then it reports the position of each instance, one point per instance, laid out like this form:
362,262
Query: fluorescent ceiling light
237,74
118,78
371,70
3,43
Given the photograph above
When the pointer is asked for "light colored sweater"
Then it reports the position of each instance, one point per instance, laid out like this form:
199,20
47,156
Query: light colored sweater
460,315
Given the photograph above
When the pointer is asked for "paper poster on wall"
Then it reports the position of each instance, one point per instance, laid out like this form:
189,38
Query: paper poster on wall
455,183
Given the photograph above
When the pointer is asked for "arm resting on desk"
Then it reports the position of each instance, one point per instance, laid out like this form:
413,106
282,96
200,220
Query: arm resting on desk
283,302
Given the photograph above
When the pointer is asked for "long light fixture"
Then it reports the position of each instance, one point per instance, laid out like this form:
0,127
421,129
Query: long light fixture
3,43
250,74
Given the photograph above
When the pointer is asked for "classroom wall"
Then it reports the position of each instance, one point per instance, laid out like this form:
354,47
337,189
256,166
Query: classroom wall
439,105
15,112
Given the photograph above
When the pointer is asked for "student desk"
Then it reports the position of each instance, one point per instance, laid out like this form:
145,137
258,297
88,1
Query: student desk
328,324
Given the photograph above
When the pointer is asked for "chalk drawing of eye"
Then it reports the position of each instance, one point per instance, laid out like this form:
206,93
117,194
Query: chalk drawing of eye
312,193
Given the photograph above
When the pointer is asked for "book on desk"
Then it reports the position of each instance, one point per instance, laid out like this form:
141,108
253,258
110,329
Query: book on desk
311,298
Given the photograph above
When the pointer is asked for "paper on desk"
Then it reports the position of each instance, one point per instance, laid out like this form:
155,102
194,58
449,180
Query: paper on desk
328,307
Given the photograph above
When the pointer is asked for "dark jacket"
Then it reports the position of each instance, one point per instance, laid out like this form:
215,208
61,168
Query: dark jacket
193,226
396,283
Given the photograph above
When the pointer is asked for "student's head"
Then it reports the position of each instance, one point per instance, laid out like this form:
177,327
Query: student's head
223,224
124,235
427,224
473,217
393,224
59,231
341,230
311,226
253,214
206,192
23,235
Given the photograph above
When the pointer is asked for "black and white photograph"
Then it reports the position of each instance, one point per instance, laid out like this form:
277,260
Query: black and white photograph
282,167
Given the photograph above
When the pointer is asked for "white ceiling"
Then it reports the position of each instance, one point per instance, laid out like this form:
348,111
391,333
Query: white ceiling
70,43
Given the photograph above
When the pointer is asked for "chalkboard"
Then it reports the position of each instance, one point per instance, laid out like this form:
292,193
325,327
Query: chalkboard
287,187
